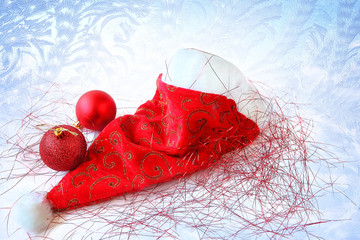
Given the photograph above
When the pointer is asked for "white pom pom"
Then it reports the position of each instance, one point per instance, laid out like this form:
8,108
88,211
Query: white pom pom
33,212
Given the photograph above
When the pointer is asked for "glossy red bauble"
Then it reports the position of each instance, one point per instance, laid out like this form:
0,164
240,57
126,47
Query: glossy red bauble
95,109
63,148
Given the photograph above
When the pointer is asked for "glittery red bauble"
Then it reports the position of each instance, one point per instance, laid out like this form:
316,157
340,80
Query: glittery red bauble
63,148
95,109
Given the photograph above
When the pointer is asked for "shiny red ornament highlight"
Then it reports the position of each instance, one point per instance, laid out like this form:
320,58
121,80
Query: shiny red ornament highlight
63,148
95,109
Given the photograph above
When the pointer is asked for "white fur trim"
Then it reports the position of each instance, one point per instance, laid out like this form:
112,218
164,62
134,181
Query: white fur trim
205,72
33,212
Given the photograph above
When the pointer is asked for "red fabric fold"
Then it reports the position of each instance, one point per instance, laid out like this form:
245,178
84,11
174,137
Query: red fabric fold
178,132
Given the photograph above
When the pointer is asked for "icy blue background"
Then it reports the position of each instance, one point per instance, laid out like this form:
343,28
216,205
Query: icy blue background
308,49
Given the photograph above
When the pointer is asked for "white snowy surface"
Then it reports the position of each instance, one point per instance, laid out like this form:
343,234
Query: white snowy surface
308,52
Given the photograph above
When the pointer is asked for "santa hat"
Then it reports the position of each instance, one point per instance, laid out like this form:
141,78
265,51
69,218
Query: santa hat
203,107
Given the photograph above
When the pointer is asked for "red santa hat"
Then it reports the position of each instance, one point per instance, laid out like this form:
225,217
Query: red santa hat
203,107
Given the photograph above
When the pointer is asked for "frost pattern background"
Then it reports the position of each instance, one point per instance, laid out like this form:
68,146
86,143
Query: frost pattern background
305,50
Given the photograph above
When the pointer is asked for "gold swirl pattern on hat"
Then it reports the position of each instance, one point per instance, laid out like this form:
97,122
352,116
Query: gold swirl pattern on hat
148,159
150,113
97,147
195,124
183,102
203,100
113,163
92,167
110,184
140,179
115,138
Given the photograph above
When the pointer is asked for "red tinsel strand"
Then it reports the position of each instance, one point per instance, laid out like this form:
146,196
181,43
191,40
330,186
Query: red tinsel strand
268,190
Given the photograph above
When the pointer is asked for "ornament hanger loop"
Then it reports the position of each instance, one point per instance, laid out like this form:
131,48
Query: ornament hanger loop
57,131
